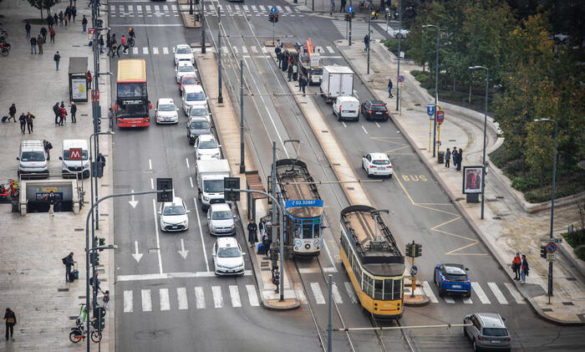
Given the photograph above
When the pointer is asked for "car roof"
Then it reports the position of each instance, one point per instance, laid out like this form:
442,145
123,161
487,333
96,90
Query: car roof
165,101
227,242
379,156
176,201
491,320
193,89
188,76
347,98
208,137
197,119
454,269
220,206
74,143
185,63
183,46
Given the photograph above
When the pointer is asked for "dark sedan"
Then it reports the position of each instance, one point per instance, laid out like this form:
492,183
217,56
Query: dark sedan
375,110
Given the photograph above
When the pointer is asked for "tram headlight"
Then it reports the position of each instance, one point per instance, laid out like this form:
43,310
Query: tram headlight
316,243
298,243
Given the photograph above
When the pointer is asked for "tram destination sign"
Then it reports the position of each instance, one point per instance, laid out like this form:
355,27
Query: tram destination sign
303,203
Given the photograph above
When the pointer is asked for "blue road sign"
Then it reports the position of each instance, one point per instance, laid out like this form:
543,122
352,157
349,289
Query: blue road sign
551,247
303,203
401,78
413,270
431,109
273,10
350,9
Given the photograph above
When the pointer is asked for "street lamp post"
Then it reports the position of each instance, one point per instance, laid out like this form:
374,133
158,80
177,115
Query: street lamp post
203,50
398,68
487,74
220,96
190,7
369,39
552,202
436,85
242,156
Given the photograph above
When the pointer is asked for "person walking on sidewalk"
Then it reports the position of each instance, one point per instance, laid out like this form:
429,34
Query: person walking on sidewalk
10,319
459,159
57,59
47,146
252,236
74,12
40,42
51,201
290,71
52,34
524,269
27,28
62,114
266,241
516,266
101,43
302,84
447,158
69,262
106,299
331,7
44,33
57,112
390,85
73,111
84,23
12,112
50,21
29,122
56,20
454,156
22,120
342,7
33,45
367,42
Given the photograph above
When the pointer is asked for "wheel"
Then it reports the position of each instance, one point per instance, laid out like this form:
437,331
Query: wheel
441,292
75,337
96,336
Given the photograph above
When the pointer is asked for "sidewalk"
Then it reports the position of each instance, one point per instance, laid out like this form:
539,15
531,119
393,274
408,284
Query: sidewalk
507,227
31,272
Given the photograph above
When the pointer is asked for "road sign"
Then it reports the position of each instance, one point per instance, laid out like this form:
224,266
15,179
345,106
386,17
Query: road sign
401,78
550,257
413,270
551,247
272,10
74,153
431,109
440,116
350,9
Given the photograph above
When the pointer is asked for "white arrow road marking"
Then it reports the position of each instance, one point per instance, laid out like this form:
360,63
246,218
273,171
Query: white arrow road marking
133,202
319,299
165,303
182,298
137,256
151,183
199,297
187,161
235,296
191,181
150,164
127,301
157,237
365,131
201,233
146,301
217,297
252,296
183,252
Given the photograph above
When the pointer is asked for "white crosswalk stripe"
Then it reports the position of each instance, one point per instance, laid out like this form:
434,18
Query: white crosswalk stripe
217,297
146,301
467,300
235,49
165,50
254,8
156,8
128,305
317,294
429,292
300,293
183,302
244,50
479,292
264,50
279,8
330,49
350,292
496,291
245,7
145,50
165,303
199,297
318,49
288,9
252,296
335,293
155,50
235,296
514,292
262,8
449,300
254,49
135,51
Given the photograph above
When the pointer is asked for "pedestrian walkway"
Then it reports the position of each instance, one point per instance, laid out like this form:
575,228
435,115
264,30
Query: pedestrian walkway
173,10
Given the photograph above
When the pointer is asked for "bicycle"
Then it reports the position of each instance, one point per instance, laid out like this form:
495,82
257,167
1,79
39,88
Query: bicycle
79,331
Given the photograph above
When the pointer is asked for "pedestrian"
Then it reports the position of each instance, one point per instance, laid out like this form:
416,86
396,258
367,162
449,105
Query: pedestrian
56,20
61,18
124,44
74,12
111,117
12,112
29,122
331,7
69,262
50,21
447,158
101,43
57,112
89,78
106,299
390,85
342,7
22,120
516,266
27,28
51,200
367,42
262,228
62,114
290,71
95,282
73,112
33,45
57,59
84,23
454,156
524,269
52,34
459,159
101,163
295,72
302,83
252,236
10,319
278,52
47,146
266,241
40,42
44,33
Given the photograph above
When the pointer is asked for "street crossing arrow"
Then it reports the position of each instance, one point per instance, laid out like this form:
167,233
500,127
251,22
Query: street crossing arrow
183,252
136,255
133,202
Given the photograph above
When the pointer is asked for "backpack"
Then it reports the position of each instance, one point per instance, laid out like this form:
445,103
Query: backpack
57,57
64,260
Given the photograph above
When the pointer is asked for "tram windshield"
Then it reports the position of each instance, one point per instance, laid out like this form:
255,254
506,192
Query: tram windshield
307,228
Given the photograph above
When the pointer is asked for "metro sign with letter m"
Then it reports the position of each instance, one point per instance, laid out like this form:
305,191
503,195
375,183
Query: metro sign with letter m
75,154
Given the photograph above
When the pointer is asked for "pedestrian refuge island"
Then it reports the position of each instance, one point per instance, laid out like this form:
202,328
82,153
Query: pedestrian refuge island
33,195
78,84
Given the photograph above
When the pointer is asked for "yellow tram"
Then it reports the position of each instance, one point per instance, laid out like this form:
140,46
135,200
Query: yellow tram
373,261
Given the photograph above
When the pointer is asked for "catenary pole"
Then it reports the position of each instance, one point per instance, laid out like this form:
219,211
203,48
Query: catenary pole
242,156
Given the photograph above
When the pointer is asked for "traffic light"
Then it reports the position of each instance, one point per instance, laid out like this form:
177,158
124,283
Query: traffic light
542,251
417,250
101,242
231,183
95,258
166,185
408,250
99,314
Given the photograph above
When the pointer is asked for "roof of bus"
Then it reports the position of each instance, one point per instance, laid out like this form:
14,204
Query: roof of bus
132,70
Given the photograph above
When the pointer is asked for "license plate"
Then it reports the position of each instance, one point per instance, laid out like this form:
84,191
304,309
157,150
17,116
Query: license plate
381,168
456,286
495,341
379,113
174,226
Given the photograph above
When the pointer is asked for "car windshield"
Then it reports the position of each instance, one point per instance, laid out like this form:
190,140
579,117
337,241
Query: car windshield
199,125
186,68
195,96
381,162
229,252
198,112
213,186
221,215
167,107
456,278
495,332
174,210
32,156
183,50
316,71
189,80
210,144
379,107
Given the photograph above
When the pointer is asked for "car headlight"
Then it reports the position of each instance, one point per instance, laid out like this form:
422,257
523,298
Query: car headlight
205,198
184,222
232,226
211,226
216,155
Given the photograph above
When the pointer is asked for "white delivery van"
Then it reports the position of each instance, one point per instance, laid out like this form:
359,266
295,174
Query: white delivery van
33,160
75,158
346,108
337,81
210,175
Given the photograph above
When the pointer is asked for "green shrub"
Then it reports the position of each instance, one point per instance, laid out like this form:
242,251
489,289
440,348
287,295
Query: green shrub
580,252
524,184
575,238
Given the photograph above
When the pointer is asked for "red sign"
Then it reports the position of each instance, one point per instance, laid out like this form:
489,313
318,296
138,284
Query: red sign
75,154
440,116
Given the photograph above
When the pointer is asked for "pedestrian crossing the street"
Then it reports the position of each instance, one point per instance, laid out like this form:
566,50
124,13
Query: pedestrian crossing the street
174,10
234,296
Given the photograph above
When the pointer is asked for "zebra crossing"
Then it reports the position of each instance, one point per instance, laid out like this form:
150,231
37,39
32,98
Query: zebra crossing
234,296
325,51
247,10
173,10
130,10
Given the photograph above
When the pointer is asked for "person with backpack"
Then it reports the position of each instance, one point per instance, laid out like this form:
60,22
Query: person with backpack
57,59
69,262
56,112
44,33
62,115
33,45
22,120
10,319
516,266
47,146
27,28
524,269
29,122
40,42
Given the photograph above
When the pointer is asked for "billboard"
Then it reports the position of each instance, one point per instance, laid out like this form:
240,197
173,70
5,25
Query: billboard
472,179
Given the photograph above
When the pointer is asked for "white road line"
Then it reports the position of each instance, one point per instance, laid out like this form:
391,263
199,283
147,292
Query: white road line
330,49
135,51
262,8
235,49
467,300
279,9
165,50
514,292
288,9
201,234
429,292
165,303
151,183
479,292
128,301
191,181
252,296
377,124
130,8
244,50
174,8
254,49
157,237
235,296
343,123
150,164
350,292
496,291
245,7
336,296
156,8
254,8
155,50
146,301
264,50
187,161
300,293
319,299
199,297
217,297
182,298
319,49
449,300
365,131
145,50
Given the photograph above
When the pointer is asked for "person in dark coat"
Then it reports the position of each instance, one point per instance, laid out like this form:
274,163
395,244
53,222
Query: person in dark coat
44,33
290,71
29,122
57,59
390,85
51,200
302,84
252,236
33,45
367,42
459,159
454,156
342,7
57,112
73,112
68,261
447,157
27,28
266,241
47,146
12,112
22,120
524,269
84,23
50,21
10,319
284,62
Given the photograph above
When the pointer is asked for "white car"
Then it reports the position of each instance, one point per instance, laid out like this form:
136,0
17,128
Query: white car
199,112
206,147
183,52
185,68
193,96
166,111
346,108
173,216
228,257
377,164
220,220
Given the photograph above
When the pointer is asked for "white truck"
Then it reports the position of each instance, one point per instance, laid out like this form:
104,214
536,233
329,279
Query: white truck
337,81
210,175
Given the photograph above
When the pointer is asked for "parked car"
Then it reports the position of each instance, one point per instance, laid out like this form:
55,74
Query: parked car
173,216
166,111
206,147
183,52
375,110
193,96
346,108
187,81
199,112
377,164
197,126
220,220
184,68
228,257
487,331
32,159
452,278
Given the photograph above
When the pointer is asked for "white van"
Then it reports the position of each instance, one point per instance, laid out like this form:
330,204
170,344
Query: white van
346,108
33,160
75,158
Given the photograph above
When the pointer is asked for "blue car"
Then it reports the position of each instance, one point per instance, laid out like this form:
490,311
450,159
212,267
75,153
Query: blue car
452,279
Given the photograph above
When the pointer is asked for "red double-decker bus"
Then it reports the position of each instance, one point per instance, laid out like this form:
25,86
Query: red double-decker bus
132,104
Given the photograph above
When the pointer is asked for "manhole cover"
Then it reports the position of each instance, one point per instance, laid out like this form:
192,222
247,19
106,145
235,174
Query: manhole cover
62,290
79,230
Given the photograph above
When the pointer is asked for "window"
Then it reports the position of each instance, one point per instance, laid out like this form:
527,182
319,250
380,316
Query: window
195,96
389,289
307,228
495,332
397,290
174,210
229,252
378,289
368,285
33,156
221,215
199,125
167,107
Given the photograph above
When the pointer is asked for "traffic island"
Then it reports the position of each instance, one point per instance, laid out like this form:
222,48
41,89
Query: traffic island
418,299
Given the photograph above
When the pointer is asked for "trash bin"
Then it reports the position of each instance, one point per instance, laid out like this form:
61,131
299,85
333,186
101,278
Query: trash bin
441,157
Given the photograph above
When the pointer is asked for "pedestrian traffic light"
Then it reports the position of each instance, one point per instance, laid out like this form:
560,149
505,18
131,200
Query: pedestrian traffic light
101,242
230,183
165,185
95,258
417,250
408,250
542,251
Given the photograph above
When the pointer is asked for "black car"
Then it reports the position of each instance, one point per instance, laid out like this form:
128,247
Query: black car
375,110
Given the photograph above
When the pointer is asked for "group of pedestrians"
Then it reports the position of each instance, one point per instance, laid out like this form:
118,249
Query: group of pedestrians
112,43
520,267
457,155
253,236
26,120
290,65
61,113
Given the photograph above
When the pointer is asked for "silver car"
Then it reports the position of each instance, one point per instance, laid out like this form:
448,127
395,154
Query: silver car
487,331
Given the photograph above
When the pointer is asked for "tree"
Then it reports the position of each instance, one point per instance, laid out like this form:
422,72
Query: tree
43,4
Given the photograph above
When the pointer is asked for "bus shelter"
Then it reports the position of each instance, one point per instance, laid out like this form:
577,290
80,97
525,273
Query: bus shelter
78,85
